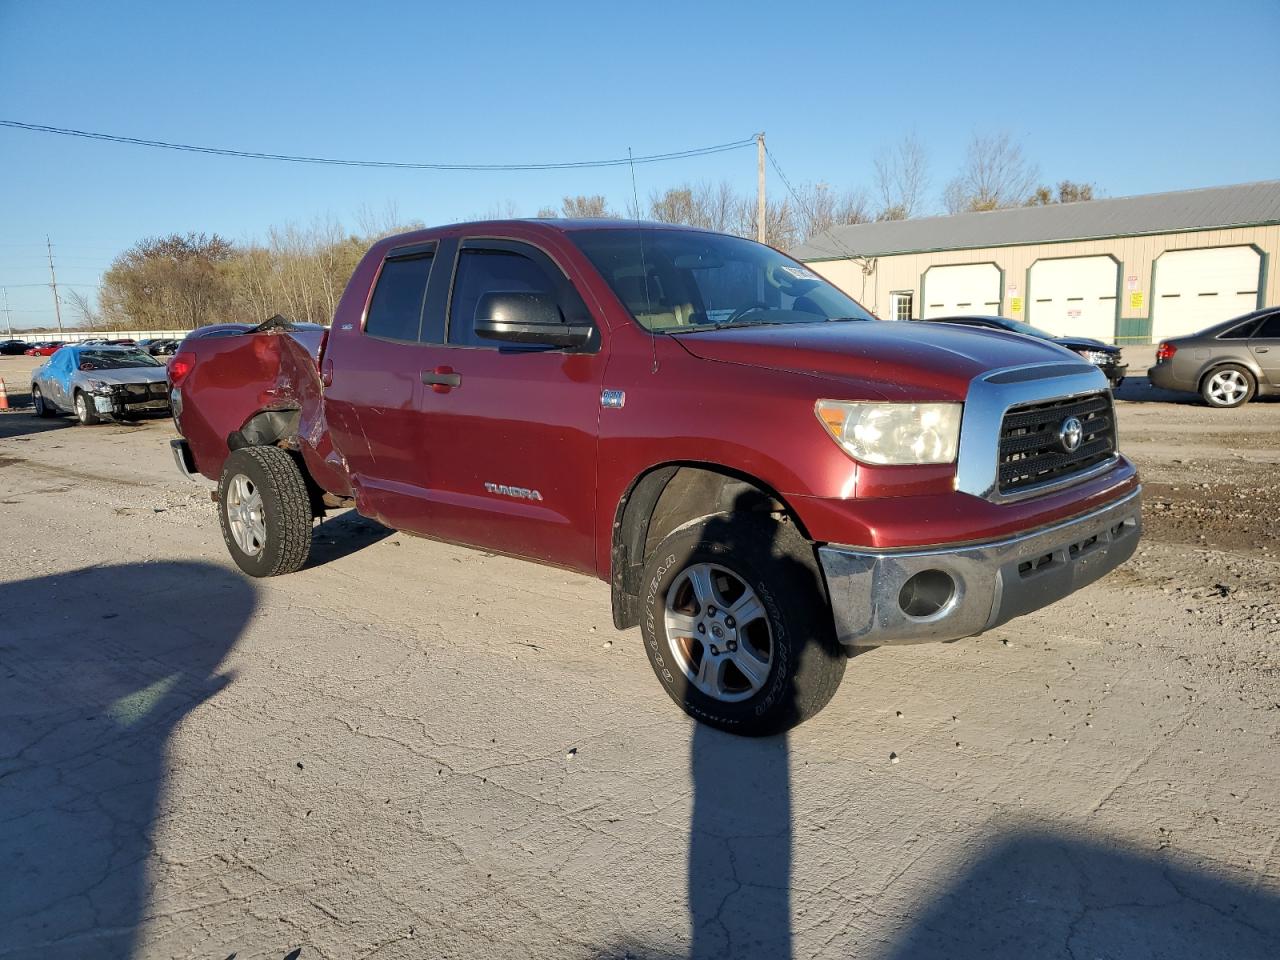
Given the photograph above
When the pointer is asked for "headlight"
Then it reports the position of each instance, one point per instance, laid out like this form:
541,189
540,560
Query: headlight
98,386
894,433
1098,357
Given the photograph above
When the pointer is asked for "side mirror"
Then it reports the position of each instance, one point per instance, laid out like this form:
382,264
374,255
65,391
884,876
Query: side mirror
528,318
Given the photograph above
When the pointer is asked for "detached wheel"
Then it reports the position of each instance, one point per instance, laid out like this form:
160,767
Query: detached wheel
737,626
1228,386
86,412
265,511
43,409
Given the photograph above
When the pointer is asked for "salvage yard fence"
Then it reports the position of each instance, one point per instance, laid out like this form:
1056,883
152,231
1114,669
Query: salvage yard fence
78,336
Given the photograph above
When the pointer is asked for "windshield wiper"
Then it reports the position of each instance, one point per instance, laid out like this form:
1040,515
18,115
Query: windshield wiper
730,324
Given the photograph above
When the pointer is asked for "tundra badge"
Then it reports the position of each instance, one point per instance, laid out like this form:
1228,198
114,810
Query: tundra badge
520,493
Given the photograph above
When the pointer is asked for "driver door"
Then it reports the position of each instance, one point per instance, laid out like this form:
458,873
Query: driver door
512,430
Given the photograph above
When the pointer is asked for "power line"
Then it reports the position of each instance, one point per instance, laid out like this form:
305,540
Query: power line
807,209
331,161
15,286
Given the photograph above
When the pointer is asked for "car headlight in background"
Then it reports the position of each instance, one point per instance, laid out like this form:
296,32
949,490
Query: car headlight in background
894,433
1099,357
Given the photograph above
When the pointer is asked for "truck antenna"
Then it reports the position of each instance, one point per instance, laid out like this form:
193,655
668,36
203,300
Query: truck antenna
644,267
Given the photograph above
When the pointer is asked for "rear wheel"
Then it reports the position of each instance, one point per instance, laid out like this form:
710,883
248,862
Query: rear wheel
737,625
265,511
86,412
43,408
1228,386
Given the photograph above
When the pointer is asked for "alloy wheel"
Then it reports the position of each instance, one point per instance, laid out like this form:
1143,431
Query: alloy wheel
1227,387
245,515
718,632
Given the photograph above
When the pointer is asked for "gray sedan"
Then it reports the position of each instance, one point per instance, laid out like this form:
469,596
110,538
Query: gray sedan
95,381
1227,364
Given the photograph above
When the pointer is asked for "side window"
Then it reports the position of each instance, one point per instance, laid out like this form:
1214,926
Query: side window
396,309
1269,328
1239,332
483,270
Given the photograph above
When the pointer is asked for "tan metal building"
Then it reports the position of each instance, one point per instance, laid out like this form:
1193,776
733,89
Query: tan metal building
1125,270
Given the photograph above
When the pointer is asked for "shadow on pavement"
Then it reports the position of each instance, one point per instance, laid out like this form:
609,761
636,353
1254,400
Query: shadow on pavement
23,423
1048,895
343,534
97,668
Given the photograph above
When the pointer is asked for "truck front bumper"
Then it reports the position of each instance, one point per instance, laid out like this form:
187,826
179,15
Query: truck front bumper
945,593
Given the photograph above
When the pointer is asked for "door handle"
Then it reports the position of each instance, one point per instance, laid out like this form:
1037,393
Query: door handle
1261,349
442,379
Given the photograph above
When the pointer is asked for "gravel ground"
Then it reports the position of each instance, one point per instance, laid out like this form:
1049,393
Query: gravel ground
414,750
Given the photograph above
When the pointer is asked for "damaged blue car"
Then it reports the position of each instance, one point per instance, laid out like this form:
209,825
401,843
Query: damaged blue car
95,381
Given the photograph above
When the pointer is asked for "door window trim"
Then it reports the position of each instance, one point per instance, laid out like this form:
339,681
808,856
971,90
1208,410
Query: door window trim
559,274
409,251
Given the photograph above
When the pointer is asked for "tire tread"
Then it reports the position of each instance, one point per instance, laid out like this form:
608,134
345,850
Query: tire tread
292,503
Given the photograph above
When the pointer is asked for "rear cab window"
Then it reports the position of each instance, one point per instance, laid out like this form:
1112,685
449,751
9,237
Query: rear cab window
395,310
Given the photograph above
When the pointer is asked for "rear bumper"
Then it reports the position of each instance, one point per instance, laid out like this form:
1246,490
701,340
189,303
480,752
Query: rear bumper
1161,375
182,457
991,582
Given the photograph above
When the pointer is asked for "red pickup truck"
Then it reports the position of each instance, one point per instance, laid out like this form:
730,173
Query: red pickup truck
767,476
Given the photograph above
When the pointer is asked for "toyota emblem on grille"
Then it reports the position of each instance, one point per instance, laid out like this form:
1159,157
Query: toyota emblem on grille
1070,433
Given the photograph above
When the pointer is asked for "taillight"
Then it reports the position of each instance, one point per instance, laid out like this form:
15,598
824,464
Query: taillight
1165,352
180,364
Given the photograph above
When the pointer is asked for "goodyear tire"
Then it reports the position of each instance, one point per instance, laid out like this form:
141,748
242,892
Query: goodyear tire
737,626
265,511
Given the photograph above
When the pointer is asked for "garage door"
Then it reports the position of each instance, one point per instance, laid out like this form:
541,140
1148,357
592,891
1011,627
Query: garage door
965,288
1074,297
1196,288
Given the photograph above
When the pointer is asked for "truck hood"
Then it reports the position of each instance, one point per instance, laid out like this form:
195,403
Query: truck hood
903,361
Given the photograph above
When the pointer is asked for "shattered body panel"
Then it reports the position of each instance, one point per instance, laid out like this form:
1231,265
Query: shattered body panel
241,377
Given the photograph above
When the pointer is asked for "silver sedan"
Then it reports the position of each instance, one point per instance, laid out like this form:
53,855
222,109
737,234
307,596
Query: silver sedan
93,381
1228,364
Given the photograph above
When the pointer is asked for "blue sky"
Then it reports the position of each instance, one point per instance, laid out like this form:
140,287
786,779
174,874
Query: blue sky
1136,97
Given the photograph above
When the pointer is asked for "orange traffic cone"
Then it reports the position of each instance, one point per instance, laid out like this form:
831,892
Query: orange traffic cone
4,396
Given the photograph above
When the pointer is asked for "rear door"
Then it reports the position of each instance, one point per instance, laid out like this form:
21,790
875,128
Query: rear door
510,432
373,384
1265,345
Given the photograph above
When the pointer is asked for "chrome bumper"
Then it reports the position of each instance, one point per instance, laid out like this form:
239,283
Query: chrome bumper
992,582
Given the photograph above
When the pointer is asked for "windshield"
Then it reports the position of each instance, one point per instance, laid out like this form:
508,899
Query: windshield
115,359
680,281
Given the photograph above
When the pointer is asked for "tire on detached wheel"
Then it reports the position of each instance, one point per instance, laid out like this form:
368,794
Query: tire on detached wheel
265,511
737,626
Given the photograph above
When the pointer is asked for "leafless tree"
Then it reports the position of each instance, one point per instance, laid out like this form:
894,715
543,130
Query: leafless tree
90,316
995,174
819,208
585,207
1068,192
902,179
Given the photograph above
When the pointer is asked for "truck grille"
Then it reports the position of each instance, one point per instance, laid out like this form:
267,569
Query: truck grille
1032,451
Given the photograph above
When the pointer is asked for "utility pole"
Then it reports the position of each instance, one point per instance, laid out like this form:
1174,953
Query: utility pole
53,282
760,205
8,317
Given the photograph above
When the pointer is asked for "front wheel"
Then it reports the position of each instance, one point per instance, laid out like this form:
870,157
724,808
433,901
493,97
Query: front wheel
737,625
86,412
265,511
1228,386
